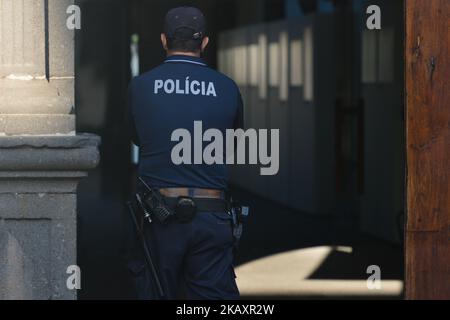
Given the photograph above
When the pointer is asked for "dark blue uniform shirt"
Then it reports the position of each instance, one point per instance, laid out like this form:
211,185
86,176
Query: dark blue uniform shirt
172,96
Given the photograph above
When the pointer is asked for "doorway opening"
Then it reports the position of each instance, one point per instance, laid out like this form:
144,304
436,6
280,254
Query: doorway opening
333,215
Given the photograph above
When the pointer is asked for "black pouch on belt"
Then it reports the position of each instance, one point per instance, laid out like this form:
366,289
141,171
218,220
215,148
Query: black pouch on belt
185,209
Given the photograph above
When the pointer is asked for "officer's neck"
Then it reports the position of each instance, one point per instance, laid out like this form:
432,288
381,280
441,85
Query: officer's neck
180,53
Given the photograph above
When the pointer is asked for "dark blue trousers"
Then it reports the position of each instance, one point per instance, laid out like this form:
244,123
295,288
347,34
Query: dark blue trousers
194,260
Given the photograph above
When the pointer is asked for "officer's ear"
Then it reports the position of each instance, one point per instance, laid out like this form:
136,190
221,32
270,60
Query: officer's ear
205,42
164,41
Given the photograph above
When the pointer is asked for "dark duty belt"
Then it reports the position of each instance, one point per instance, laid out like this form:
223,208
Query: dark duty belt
206,200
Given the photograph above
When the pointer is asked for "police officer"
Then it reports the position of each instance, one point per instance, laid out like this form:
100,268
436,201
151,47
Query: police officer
194,256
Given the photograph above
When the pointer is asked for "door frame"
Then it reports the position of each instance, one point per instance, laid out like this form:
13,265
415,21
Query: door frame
427,68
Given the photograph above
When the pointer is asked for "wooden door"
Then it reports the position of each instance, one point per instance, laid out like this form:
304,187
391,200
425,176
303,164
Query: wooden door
427,66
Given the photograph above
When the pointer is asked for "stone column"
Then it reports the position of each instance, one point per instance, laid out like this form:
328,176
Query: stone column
41,156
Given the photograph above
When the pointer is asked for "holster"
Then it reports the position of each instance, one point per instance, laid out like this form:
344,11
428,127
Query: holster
239,215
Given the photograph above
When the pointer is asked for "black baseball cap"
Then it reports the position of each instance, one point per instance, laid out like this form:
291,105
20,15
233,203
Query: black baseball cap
185,23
